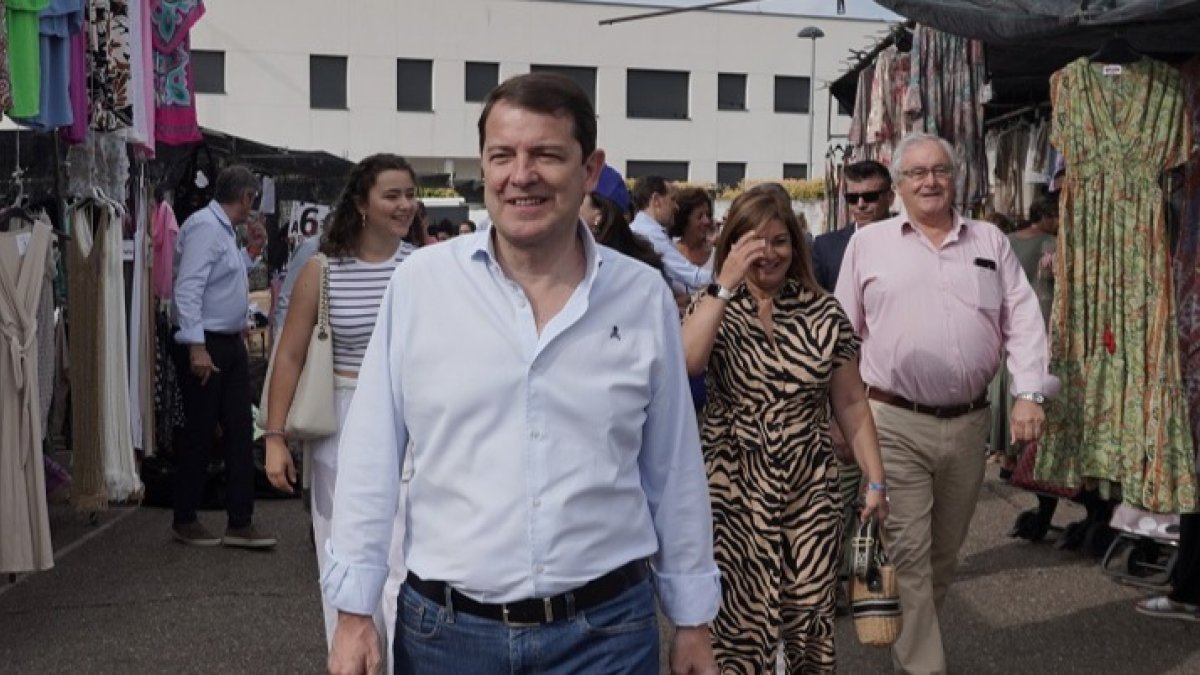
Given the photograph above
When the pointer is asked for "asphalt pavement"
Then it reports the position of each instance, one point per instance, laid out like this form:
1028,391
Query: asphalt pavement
124,598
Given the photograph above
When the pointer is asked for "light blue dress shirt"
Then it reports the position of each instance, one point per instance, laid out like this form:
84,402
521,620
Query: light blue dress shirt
211,289
683,275
540,462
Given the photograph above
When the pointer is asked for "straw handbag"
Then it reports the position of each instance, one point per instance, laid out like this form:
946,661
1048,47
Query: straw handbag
313,413
874,596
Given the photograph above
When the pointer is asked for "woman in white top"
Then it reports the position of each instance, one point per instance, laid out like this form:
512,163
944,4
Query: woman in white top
363,242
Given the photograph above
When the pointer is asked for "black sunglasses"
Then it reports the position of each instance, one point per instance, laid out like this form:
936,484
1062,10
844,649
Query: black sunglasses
869,197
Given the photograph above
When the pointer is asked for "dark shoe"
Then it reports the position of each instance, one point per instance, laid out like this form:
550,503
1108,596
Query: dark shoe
194,534
247,537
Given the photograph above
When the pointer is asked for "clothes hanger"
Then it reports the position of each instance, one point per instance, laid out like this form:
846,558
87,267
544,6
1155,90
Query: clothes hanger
1115,50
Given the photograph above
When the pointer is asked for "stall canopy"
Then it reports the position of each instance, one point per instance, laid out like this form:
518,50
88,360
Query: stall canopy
1028,40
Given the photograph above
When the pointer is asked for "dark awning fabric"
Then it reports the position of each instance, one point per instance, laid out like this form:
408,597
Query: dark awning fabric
1028,40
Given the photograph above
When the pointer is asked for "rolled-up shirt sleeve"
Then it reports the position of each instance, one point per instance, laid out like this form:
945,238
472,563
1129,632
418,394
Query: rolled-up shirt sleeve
676,487
370,454
197,252
1022,327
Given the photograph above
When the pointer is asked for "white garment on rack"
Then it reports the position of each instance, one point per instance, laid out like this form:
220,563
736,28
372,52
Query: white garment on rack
120,471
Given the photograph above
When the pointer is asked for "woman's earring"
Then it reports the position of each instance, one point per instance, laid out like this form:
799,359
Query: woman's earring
363,224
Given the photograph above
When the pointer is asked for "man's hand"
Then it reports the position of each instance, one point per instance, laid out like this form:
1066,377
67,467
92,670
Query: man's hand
691,652
355,649
1028,421
202,365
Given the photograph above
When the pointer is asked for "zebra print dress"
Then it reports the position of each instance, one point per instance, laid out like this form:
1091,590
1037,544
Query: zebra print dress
777,525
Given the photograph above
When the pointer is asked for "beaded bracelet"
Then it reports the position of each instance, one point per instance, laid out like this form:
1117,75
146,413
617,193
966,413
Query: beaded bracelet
274,432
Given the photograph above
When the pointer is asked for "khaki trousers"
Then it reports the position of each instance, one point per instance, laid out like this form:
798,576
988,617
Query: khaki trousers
934,470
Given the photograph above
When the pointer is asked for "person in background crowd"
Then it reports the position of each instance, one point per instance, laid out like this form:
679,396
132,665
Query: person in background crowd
603,211
1007,225
466,227
869,196
307,249
1031,245
211,299
777,513
417,234
692,228
444,230
937,299
364,243
574,404
655,205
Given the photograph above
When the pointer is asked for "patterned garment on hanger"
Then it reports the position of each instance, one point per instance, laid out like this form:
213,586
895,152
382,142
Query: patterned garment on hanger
109,77
6,101
175,104
1186,261
1122,417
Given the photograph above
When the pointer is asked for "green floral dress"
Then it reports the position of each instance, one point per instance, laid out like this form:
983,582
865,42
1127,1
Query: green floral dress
1122,416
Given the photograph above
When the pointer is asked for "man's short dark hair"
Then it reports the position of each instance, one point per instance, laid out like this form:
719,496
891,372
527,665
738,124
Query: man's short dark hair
548,94
868,169
233,183
645,188
1042,207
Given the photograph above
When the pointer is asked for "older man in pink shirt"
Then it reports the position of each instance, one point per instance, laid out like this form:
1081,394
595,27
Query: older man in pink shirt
938,299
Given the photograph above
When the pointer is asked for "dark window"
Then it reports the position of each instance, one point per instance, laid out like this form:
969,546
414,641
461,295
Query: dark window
414,85
730,173
845,110
583,76
327,82
656,94
799,171
731,91
481,80
208,71
791,94
668,170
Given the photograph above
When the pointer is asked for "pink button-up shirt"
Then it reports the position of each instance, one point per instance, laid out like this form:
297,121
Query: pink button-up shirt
935,322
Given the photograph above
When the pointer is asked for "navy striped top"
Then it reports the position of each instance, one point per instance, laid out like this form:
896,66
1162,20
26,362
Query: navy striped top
355,291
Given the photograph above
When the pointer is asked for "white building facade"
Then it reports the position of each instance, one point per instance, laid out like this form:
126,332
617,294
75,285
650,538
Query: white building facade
705,96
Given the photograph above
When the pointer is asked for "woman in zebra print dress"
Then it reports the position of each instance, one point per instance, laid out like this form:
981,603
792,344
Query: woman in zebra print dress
778,351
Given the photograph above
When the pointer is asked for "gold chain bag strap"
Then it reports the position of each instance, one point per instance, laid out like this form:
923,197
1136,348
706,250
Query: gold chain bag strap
874,595
314,412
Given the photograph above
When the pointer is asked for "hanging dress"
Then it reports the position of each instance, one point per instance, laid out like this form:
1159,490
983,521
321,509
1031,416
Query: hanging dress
86,298
1122,417
24,519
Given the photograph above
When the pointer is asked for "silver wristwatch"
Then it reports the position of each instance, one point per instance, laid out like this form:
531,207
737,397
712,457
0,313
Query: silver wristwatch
1034,396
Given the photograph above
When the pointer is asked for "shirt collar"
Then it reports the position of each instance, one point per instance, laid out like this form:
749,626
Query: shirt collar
482,248
219,212
961,225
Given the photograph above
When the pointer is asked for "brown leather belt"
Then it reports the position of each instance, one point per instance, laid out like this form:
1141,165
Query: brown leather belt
944,412
538,610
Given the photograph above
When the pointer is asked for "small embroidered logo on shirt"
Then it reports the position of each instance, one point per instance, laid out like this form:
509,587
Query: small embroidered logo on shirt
615,334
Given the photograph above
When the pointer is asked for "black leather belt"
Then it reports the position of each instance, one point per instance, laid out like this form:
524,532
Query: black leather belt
538,610
941,412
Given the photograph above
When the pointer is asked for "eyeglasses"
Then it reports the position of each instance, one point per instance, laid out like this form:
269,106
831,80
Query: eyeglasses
868,197
919,173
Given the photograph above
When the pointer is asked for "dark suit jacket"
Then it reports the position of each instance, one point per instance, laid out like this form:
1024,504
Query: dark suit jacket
827,253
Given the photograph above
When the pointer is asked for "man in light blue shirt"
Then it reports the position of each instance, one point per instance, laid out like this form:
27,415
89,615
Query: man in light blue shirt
211,298
307,249
655,210
538,381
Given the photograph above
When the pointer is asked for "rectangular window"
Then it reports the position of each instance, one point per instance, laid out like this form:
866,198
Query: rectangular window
731,91
845,110
482,78
730,173
668,170
583,76
796,171
414,85
327,82
791,94
208,71
656,94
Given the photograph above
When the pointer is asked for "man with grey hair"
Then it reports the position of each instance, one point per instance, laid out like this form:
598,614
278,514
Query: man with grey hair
937,298
211,300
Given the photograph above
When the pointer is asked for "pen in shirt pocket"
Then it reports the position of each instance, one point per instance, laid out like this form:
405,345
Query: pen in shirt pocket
986,263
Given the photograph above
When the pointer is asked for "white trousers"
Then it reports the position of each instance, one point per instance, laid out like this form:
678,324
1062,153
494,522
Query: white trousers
324,475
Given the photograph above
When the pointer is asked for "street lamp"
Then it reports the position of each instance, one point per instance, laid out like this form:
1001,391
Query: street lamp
812,33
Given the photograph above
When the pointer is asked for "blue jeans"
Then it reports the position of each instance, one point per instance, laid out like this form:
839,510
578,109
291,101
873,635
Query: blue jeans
619,636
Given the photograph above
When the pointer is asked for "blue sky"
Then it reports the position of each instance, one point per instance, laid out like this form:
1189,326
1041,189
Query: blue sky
858,9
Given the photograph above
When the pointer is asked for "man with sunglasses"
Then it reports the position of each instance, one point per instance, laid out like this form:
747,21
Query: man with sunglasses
937,299
869,196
